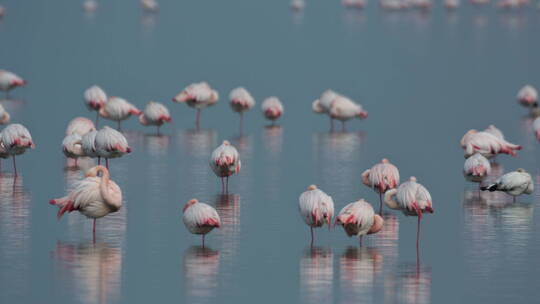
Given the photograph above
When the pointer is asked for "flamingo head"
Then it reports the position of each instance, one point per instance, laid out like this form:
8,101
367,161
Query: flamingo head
385,161
190,203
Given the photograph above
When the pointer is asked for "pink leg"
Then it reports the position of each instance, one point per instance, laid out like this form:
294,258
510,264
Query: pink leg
241,122
380,204
107,163
418,234
222,185
361,240
94,231
97,118
312,236
158,130
14,165
227,184
203,241
99,160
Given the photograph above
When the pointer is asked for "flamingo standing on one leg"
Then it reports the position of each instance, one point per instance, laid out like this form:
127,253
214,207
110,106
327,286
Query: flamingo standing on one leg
16,139
343,109
95,98
118,109
4,116
528,97
88,145
316,208
150,6
200,218
95,196
241,101
199,96
476,168
322,105
110,143
412,199
513,183
155,114
9,81
359,219
272,108
225,161
381,177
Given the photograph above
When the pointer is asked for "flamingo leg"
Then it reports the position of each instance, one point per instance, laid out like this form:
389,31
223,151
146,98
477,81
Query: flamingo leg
94,231
14,165
227,184
203,241
97,118
331,124
222,185
514,199
343,126
241,122
361,240
198,119
158,130
99,160
380,204
107,163
76,162
312,236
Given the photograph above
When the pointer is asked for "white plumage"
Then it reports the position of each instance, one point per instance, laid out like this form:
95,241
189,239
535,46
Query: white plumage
316,207
528,96
88,143
272,108
381,177
476,168
90,6
10,80
4,116
200,218
118,109
241,100
343,109
354,3
410,197
451,4
16,139
359,219
495,132
72,146
322,105
95,98
486,144
536,127
155,114
110,143
198,95
80,126
225,160
514,183
150,5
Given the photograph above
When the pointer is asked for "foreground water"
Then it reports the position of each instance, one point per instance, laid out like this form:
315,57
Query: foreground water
424,78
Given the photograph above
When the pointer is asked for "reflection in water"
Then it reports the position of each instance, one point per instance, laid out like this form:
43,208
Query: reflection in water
413,284
201,269
317,275
15,236
157,145
272,138
358,270
198,146
387,240
92,270
243,181
228,208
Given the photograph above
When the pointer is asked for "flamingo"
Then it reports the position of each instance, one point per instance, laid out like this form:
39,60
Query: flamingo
2,11
528,96
225,161
513,183
90,6
150,6
118,109
72,146
199,96
155,114
381,177
95,196
412,199
241,101
495,132
316,208
110,143
200,218
486,144
536,127
451,4
9,81
476,168
298,5
322,105
359,4
16,140
343,109
95,98
359,219
80,126
272,108
88,145
4,116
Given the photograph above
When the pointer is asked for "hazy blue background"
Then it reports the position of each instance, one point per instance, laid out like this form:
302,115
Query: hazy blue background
424,78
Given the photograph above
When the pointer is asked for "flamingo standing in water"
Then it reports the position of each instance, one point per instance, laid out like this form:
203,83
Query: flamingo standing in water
536,127
88,145
9,81
487,144
4,116
2,11
451,4
90,6
225,161
95,196
150,6
343,109
528,97
200,218
118,109
359,4
16,139
476,168
241,101
316,208
513,183
80,126
110,143
359,219
272,108
155,114
322,105
381,177
199,96
95,98
72,147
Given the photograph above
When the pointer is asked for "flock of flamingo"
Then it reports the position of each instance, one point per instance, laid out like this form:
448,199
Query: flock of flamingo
97,195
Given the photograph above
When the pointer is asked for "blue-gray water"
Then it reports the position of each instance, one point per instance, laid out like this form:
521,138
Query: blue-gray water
424,78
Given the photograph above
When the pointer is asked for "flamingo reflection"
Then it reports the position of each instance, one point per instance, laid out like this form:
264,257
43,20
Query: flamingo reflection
359,268
317,275
413,284
197,146
157,145
201,269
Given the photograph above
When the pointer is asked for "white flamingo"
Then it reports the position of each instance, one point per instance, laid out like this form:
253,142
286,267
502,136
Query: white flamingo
241,101
359,4
272,108
200,218
359,219
323,104
9,81
198,96
110,143
94,99
476,168
316,208
495,132
72,147
4,116
528,96
381,177
343,109
16,140
118,109
486,144
150,6
95,196
88,144
155,114
451,4
80,126
225,161
513,183
412,199
90,6
536,127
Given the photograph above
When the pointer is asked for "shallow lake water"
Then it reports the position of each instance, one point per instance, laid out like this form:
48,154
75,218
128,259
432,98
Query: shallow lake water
425,78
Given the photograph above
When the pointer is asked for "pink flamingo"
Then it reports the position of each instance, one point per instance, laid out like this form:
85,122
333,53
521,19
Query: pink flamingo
95,98
9,81
225,161
88,145
4,116
72,147
110,143
476,168
343,109
155,114
118,109
16,140
199,96
487,144
536,127
359,219
272,108
323,104
381,177
94,196
150,6
200,218
80,126
241,101
412,199
316,208
2,11
528,97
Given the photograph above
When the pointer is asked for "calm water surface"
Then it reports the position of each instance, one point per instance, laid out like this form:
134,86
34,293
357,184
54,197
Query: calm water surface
424,78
